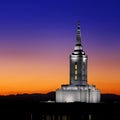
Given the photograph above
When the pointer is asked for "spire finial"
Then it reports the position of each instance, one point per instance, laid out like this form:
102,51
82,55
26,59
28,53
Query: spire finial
78,36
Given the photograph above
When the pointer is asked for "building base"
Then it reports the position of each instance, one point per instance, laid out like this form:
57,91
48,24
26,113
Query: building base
70,93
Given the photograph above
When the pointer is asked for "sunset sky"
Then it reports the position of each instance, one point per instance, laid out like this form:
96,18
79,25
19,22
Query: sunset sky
37,37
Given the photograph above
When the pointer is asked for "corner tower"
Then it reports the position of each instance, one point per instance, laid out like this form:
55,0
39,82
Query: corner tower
78,62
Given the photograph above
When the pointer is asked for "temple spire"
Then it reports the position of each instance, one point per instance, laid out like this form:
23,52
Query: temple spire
78,35
78,46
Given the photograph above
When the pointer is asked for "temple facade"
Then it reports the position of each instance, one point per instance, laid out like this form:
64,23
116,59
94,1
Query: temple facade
78,90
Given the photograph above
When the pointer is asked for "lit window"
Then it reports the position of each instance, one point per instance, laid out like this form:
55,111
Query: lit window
75,77
75,66
75,72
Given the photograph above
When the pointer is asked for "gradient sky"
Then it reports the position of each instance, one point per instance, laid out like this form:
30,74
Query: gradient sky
37,37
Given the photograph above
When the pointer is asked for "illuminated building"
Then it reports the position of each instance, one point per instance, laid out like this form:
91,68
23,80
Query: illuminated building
78,90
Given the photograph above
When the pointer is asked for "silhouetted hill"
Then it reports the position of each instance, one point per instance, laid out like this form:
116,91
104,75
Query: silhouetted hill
110,98
36,97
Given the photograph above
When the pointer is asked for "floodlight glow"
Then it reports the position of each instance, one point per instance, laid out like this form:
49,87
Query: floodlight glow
84,59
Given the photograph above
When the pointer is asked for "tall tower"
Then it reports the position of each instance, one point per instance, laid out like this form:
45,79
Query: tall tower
78,90
78,62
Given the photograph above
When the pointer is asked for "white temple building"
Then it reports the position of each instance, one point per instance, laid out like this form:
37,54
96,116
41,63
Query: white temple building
78,90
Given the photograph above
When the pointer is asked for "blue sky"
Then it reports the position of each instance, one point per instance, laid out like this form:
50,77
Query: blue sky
39,31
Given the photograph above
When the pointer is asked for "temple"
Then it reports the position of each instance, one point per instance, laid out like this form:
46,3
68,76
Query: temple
78,90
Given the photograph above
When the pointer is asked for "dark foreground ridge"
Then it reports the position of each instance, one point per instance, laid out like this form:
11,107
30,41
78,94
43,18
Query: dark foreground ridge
59,111
35,107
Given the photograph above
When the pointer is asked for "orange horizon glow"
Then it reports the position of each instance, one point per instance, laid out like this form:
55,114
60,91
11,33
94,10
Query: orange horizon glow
43,75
